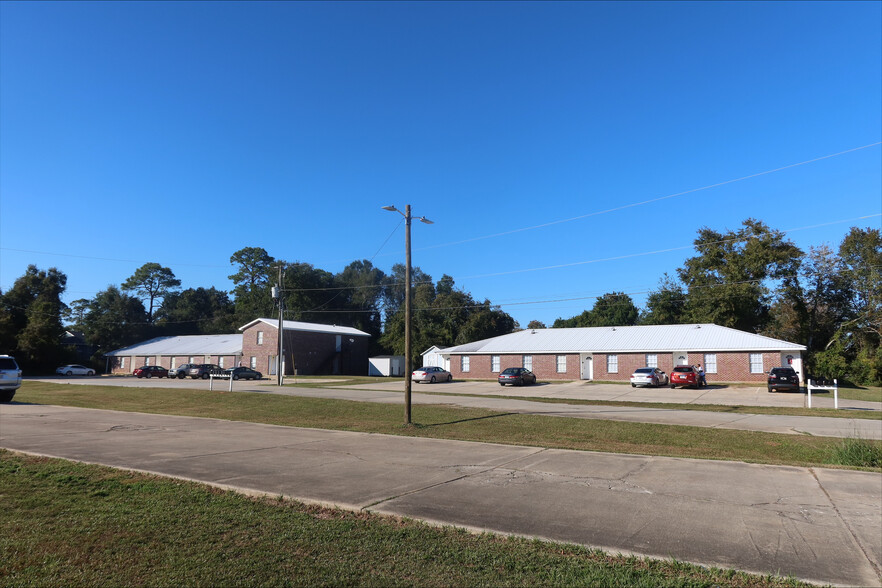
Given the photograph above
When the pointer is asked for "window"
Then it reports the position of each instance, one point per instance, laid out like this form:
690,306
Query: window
561,364
464,363
173,362
260,337
494,363
710,363
190,359
253,363
122,362
612,364
220,361
651,360
756,363
528,362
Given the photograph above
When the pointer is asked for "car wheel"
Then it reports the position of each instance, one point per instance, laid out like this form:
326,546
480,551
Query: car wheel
149,374
204,376
6,396
181,376
90,373
502,384
449,377
432,381
68,373
235,376
633,385
672,386
771,389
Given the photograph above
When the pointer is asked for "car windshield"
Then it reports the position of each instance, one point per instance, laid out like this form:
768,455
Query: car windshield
7,363
683,368
510,371
784,371
643,371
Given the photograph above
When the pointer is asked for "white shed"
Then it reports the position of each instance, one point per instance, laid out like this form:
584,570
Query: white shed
386,365
435,356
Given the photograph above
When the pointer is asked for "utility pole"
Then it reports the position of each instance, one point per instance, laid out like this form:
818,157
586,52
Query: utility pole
408,368
280,359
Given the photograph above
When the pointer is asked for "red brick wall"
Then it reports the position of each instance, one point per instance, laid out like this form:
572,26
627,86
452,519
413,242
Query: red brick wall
137,361
307,352
544,366
732,366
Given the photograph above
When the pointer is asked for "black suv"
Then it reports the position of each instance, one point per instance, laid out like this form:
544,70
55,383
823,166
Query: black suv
204,370
783,378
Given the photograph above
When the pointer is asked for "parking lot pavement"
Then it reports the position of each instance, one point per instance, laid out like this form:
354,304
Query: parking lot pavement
816,524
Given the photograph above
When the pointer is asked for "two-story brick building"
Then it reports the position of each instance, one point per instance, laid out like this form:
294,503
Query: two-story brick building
613,353
309,348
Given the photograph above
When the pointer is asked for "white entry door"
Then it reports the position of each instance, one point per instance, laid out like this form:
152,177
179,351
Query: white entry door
681,358
587,372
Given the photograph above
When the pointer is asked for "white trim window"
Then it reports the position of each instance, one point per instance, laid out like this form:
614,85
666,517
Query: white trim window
561,364
756,363
190,359
220,361
260,337
528,362
464,363
710,363
612,364
494,363
253,362
122,363
652,360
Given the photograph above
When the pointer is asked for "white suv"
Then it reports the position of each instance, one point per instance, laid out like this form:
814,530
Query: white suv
10,378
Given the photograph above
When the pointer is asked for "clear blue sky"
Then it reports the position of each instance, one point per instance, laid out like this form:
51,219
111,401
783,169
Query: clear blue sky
181,132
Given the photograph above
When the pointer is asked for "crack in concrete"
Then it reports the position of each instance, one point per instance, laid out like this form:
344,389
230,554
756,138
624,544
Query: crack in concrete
873,564
456,479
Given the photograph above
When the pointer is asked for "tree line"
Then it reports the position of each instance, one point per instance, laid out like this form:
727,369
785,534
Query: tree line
752,279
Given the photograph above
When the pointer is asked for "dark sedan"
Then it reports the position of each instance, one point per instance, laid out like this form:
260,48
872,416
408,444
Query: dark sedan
151,371
783,378
516,377
244,373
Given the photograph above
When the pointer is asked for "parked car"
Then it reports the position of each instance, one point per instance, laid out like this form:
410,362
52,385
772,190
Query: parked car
203,370
516,377
783,378
180,372
431,374
244,373
150,371
648,377
10,378
75,370
685,375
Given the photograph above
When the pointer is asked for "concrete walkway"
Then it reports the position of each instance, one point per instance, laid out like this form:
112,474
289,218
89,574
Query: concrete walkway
485,395
816,524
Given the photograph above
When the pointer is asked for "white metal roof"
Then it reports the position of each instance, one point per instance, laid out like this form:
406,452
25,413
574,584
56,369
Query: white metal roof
311,327
703,337
185,345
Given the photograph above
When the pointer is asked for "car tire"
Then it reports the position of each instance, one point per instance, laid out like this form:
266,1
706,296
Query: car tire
149,374
771,389
235,376
68,373
432,381
204,376
501,384
633,385
6,396
449,378
90,373
672,386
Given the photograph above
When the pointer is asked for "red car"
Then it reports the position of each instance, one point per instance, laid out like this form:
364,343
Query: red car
151,371
685,375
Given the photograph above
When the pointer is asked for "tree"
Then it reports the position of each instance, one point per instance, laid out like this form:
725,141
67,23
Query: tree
534,324
31,324
727,280
666,305
114,320
613,309
256,271
152,282
193,311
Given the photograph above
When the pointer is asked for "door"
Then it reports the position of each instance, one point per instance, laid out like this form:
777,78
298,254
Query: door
681,358
587,371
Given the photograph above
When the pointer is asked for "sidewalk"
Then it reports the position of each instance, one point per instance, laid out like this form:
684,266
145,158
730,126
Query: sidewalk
817,524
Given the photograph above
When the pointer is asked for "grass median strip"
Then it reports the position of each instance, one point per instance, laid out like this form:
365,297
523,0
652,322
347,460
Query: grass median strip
467,424
69,524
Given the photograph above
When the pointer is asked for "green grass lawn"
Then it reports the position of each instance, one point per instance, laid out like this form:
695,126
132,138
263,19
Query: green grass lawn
446,422
69,524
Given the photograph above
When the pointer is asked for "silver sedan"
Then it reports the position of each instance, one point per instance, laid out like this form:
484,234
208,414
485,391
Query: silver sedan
431,374
648,377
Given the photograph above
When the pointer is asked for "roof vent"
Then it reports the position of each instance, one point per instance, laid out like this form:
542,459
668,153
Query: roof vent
697,326
533,332
614,328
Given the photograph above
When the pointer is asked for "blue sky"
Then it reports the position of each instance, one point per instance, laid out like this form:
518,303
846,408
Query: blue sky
181,132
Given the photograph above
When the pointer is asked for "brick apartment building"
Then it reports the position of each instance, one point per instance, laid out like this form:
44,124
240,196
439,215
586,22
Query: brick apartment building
309,348
613,353
171,352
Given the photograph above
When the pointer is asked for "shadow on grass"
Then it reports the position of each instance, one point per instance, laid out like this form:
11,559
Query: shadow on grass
491,416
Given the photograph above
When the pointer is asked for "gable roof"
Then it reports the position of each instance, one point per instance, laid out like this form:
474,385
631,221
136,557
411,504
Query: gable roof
185,345
703,337
310,327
